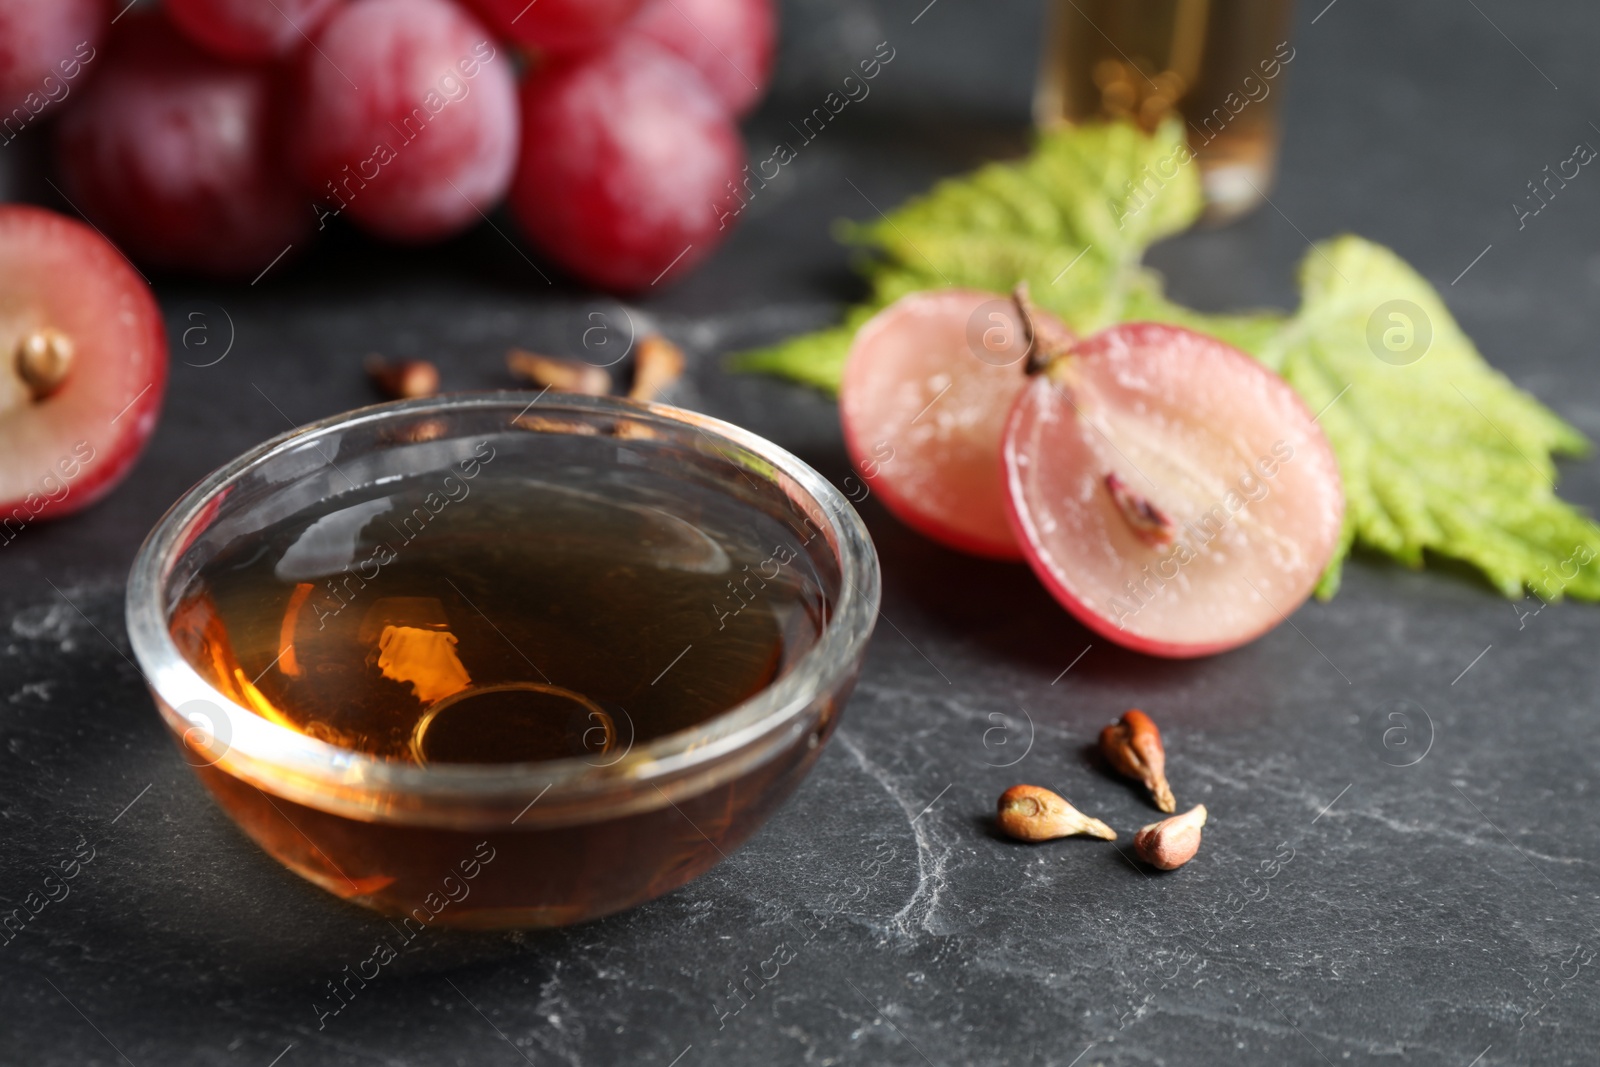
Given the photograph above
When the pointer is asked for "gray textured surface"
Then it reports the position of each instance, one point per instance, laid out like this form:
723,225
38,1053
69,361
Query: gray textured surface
1432,914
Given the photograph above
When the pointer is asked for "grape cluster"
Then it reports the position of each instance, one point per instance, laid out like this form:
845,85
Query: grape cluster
214,135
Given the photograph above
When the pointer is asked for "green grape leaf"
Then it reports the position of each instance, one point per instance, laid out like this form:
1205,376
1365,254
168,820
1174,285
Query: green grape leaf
815,359
1438,451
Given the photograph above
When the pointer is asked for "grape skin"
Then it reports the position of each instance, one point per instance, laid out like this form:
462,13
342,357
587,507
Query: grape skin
249,30
406,118
557,26
629,166
730,42
45,48
178,156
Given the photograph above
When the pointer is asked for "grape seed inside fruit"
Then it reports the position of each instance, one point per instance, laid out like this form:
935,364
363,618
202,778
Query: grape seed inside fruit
66,447
1172,493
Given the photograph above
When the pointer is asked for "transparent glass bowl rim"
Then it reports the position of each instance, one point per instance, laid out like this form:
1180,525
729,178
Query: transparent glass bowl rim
266,744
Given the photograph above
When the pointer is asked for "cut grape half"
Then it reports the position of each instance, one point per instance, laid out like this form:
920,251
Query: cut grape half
1171,492
83,371
924,399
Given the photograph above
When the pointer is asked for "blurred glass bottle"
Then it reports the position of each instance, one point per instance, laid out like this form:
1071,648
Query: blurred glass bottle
1218,63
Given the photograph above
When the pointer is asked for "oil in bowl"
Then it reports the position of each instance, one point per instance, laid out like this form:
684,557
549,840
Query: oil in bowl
521,621
471,667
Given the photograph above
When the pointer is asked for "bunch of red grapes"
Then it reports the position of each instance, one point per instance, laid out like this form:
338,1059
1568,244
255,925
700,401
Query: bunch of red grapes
212,135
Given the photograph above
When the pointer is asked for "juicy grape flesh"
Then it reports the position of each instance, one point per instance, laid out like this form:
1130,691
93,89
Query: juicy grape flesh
1244,498
924,399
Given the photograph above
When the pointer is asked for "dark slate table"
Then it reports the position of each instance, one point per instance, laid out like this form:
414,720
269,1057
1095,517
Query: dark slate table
1363,896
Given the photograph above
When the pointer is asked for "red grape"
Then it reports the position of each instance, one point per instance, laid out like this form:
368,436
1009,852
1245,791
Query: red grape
628,167
729,41
177,156
44,50
407,118
249,30
926,391
1171,492
65,449
557,26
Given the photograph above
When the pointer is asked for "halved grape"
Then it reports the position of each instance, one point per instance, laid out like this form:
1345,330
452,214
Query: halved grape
926,391
407,118
178,156
84,371
249,30
557,26
630,165
730,42
1171,492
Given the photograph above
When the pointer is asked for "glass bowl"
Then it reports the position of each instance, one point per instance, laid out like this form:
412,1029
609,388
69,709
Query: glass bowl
522,844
